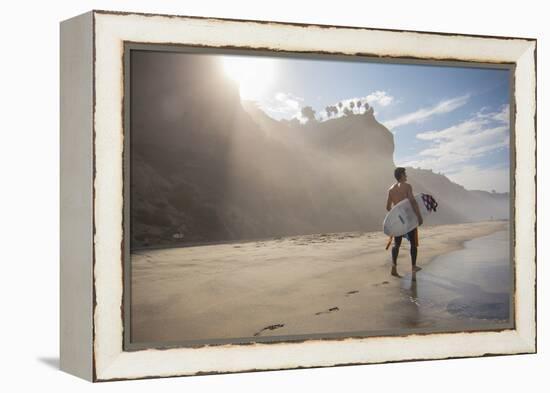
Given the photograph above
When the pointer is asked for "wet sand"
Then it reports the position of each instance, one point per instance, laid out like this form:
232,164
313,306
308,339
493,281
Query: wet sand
321,284
464,289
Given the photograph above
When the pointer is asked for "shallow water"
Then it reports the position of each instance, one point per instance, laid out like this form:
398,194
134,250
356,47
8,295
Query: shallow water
468,288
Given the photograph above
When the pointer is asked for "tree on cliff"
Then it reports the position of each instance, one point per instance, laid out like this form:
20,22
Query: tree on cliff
309,113
366,105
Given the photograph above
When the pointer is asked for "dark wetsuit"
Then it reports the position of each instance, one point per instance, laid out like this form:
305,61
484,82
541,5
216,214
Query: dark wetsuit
411,236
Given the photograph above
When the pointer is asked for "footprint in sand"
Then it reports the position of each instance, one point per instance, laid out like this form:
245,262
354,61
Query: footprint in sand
333,309
270,327
351,293
381,283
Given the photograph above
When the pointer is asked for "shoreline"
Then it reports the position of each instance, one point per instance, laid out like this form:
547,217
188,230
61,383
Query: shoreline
263,239
460,244
487,279
312,284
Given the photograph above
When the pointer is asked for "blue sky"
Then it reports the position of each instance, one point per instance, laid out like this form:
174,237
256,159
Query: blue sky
453,120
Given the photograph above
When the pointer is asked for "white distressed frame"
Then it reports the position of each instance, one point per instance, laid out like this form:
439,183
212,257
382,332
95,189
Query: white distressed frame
111,30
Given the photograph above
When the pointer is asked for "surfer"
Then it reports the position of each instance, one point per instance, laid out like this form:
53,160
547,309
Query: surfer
398,192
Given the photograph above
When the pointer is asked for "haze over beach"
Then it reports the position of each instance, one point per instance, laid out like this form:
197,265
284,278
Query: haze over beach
208,166
258,190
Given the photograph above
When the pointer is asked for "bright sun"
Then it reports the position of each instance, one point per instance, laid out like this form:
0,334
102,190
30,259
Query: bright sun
255,75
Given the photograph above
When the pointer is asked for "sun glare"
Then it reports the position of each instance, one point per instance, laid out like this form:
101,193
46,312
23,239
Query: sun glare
255,75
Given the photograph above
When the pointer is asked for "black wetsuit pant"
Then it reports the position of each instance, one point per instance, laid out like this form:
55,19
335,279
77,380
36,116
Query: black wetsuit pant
411,236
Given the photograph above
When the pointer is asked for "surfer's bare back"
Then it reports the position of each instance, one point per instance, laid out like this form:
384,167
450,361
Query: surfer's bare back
398,192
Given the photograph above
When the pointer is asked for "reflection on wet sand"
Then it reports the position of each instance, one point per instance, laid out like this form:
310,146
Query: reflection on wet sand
412,316
468,288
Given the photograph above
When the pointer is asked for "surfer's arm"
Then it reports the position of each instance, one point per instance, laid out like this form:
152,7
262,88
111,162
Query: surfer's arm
414,205
388,203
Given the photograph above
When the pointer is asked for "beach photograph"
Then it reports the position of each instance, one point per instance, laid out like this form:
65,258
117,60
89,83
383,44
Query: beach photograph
287,197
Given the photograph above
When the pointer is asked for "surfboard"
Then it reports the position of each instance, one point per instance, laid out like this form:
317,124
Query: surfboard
401,219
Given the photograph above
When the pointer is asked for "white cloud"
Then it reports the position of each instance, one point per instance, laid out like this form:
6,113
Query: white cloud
502,116
285,104
452,150
424,114
379,97
473,142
